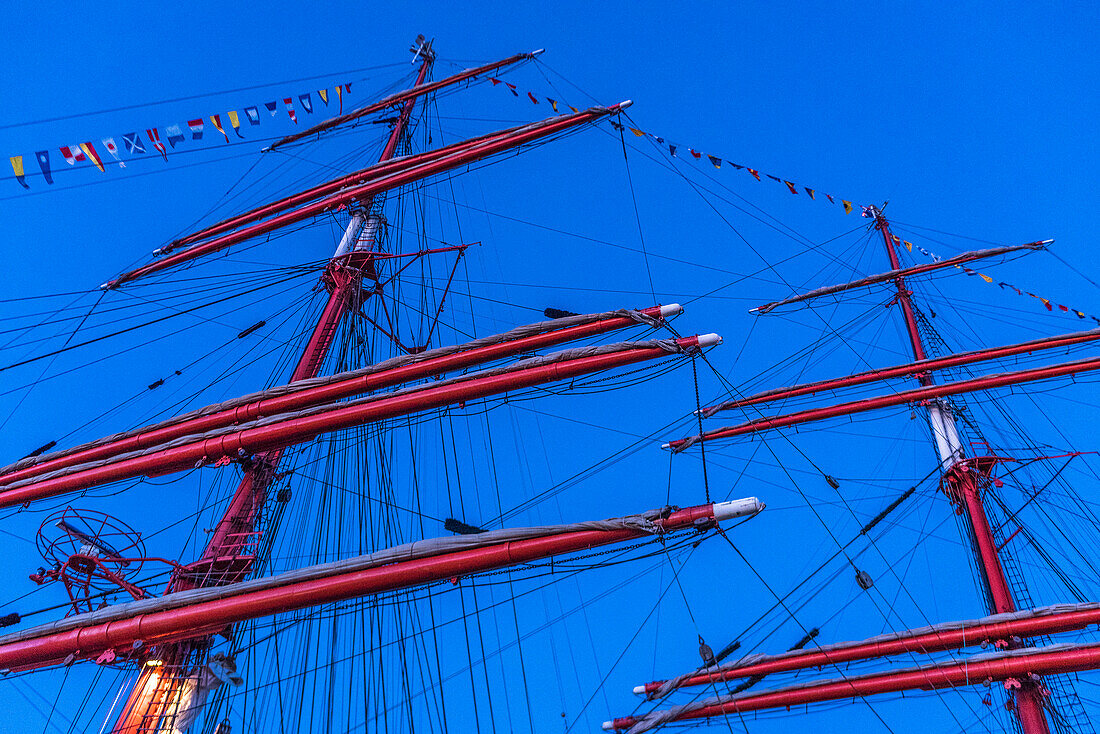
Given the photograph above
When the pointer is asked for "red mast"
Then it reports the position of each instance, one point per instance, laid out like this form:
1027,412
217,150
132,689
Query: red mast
226,558
961,483
240,519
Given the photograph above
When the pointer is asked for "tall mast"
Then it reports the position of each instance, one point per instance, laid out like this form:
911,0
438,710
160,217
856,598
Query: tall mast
960,481
235,534
362,233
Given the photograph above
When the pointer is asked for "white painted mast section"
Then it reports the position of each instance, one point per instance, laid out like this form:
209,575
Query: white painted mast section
945,432
361,234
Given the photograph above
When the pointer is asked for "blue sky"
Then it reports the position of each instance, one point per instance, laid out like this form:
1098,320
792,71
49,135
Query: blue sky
970,121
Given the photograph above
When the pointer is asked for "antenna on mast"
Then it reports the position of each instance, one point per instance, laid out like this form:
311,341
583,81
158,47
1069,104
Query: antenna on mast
422,47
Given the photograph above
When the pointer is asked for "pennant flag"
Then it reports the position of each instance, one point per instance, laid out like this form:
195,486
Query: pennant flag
830,198
133,143
290,109
323,94
271,107
617,125
791,187
17,166
512,89
694,153
154,138
672,149
637,132
553,103
810,192
235,121
217,120
908,245
347,88
90,150
1059,305
196,129
738,166
847,206
1079,314
43,157
68,155
716,162
109,144
253,115
575,110
340,96
754,172
533,98
774,178
494,80
174,133
307,102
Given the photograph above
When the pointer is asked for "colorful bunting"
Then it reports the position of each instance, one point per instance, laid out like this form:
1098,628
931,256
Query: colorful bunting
109,144
217,121
235,121
90,151
17,166
1047,303
154,137
43,157
174,134
133,143
673,147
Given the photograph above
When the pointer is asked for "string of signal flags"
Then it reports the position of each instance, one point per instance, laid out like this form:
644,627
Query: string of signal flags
174,134
676,150
1048,304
